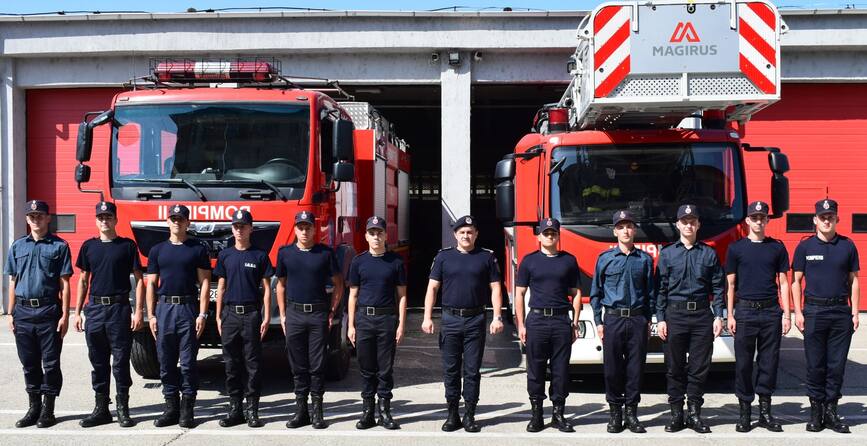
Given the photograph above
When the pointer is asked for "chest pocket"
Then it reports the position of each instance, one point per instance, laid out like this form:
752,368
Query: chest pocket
613,276
48,262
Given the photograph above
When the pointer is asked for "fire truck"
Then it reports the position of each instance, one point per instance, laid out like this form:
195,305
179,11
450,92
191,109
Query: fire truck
219,136
653,118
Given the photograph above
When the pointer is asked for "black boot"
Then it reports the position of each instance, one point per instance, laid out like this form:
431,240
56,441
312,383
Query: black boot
46,416
745,418
558,419
693,419
123,418
385,419
235,415
816,423
316,418
171,412
537,422
33,410
469,420
302,417
453,420
367,421
832,420
251,412
630,421
188,416
615,418
766,420
100,414
676,422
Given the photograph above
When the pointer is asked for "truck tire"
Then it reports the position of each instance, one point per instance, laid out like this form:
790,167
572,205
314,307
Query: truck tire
143,355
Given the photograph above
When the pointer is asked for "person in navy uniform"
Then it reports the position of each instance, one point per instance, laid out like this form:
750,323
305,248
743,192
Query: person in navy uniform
39,266
623,296
548,331
756,268
106,264
377,313
177,315
304,269
468,276
829,263
688,273
243,305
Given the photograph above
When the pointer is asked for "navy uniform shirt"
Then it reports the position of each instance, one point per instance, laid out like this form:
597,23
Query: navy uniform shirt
243,271
377,278
756,266
37,266
177,266
826,266
689,275
307,272
466,277
549,278
110,263
623,281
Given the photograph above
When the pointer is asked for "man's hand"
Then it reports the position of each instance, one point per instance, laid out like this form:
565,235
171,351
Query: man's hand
717,327
350,333
263,329
78,322
427,326
219,326
662,330
799,321
854,322
787,324
283,324
733,325
137,321
11,323
398,336
522,334
152,321
600,331
63,325
200,326
496,326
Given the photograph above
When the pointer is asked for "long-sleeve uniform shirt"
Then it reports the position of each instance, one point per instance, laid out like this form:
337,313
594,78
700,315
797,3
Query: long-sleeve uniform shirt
689,275
623,281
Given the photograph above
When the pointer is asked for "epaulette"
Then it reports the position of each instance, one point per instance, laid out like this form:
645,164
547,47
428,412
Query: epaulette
446,249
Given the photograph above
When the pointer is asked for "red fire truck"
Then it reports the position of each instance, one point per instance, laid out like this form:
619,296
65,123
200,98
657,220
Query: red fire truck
219,136
653,118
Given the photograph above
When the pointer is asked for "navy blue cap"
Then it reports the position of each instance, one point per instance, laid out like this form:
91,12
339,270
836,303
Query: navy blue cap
466,220
179,210
34,206
826,206
758,208
622,215
687,210
242,216
546,224
375,223
305,217
106,207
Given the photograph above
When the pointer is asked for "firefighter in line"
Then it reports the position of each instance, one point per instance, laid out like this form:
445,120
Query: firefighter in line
377,316
688,273
106,263
177,314
623,297
828,315
468,276
304,269
757,268
548,331
243,308
39,266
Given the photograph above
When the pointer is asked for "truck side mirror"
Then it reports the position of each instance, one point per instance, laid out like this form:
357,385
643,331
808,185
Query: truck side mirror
344,148
82,173
85,142
343,172
779,164
504,175
505,170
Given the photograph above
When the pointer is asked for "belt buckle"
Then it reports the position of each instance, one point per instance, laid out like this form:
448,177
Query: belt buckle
105,300
34,303
691,306
240,309
176,300
547,311
625,312
460,312
370,311
307,308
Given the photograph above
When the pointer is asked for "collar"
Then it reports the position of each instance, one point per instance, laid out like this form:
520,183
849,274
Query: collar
49,237
833,240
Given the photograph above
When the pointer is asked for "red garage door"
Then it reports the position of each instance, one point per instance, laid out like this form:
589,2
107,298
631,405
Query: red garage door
52,128
823,130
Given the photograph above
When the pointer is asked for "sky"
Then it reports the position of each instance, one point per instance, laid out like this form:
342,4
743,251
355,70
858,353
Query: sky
49,6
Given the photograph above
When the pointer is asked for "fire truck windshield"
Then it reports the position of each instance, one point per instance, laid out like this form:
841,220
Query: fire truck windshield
588,183
213,145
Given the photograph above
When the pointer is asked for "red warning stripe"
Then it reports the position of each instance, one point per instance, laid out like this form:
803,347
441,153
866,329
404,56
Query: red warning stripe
614,78
765,13
603,16
617,39
754,75
756,41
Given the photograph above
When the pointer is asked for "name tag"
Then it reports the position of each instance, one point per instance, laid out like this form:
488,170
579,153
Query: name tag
815,258
249,265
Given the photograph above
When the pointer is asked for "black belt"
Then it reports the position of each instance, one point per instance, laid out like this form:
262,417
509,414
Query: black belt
242,309
551,311
758,304
688,305
178,300
35,302
827,302
376,311
310,308
465,312
624,312
110,300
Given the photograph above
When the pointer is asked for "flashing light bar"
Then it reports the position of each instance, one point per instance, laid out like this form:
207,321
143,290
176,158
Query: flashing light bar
210,71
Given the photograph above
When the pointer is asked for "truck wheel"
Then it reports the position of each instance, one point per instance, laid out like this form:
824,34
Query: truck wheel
143,355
